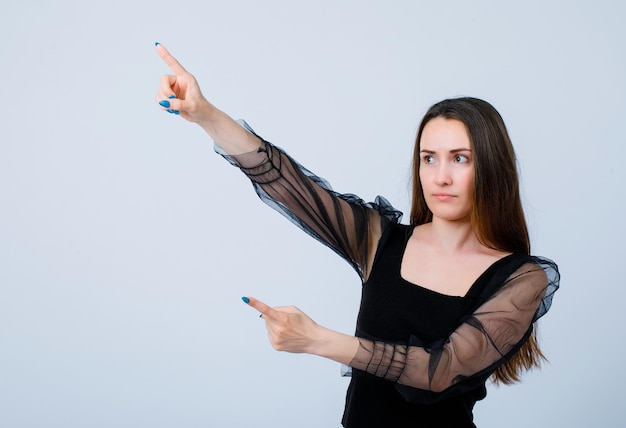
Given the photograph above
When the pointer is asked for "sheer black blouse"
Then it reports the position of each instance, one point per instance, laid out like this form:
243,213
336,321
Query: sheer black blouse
423,356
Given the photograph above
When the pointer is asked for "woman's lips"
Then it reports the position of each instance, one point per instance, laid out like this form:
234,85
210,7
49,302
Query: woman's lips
443,196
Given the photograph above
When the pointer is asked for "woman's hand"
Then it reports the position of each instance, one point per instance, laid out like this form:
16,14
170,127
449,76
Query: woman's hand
180,93
291,330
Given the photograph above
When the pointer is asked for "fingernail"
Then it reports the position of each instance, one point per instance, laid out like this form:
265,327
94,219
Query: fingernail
172,97
165,103
175,112
261,316
170,111
245,300
156,43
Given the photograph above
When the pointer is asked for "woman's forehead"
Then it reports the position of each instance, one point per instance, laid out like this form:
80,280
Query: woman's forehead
444,134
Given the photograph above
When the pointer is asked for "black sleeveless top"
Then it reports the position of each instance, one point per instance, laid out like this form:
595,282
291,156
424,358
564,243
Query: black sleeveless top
395,309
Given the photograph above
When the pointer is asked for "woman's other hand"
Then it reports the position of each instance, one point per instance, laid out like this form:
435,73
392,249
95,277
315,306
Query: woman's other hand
288,328
180,93
291,330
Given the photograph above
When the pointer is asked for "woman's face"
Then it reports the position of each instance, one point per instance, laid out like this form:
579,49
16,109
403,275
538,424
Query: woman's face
447,169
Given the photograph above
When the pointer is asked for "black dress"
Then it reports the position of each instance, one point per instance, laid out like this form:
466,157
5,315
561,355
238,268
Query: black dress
424,357
395,309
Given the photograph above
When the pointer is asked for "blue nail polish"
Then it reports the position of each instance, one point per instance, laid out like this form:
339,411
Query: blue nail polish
170,111
175,112
245,300
156,43
172,97
165,103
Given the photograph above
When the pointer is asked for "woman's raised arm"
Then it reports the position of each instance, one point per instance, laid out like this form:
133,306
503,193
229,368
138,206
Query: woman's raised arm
180,94
345,223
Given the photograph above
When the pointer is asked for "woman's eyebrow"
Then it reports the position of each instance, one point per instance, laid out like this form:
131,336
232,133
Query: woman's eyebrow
450,151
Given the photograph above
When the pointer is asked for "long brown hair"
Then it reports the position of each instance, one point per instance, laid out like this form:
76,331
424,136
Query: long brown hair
497,215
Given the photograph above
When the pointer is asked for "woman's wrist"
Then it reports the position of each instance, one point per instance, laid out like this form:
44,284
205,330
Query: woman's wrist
227,133
209,117
334,345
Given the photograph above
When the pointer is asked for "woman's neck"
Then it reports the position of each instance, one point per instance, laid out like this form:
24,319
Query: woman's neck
452,236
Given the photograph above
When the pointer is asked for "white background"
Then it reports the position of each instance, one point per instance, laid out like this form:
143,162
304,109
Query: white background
126,243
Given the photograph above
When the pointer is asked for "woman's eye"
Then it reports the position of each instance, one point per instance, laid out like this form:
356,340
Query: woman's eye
461,159
429,159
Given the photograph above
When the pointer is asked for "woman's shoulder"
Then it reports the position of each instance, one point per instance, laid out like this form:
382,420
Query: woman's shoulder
535,276
528,264
516,265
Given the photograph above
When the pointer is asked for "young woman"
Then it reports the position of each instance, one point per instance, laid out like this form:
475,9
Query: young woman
447,301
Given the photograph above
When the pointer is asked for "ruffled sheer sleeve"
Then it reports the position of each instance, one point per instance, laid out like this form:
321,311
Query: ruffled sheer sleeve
345,223
485,339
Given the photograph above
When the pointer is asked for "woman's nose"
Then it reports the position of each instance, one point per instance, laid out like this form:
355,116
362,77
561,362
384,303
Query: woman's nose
443,175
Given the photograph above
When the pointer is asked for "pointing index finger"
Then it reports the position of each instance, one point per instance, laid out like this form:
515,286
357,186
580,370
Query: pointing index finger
267,311
172,63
